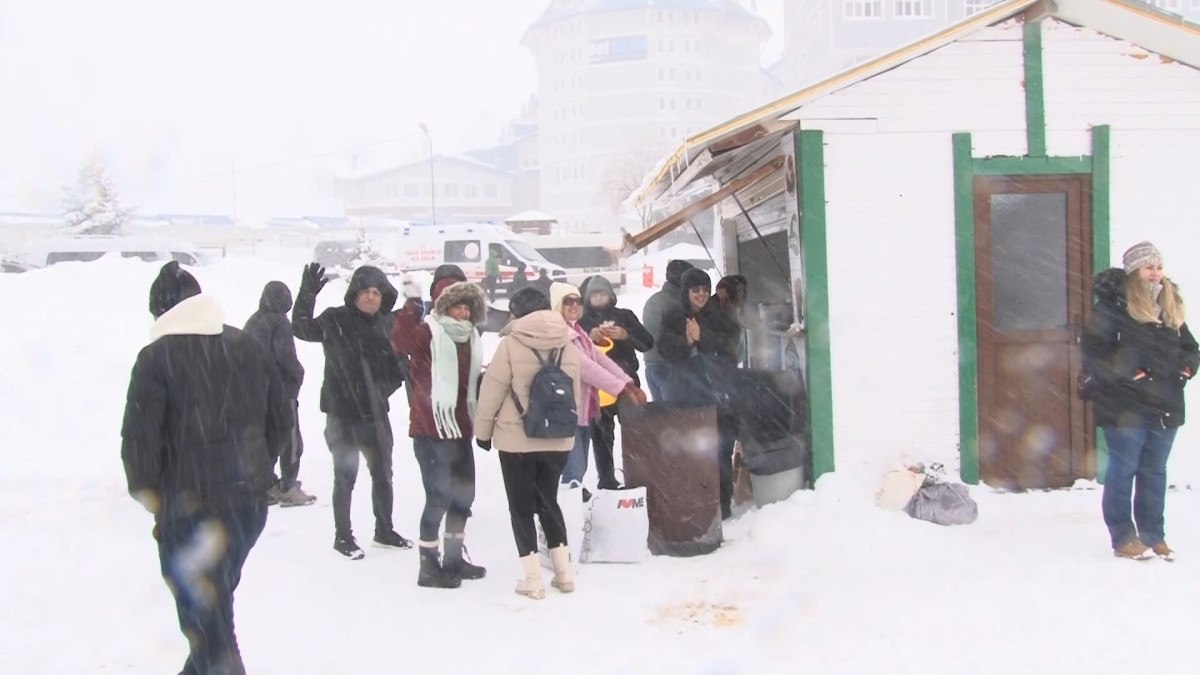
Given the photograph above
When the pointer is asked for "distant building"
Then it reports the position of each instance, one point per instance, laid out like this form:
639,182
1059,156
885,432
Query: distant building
622,81
823,37
468,189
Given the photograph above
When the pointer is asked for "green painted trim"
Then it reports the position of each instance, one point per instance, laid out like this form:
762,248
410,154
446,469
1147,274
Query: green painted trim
1101,237
1035,91
1031,166
968,366
810,155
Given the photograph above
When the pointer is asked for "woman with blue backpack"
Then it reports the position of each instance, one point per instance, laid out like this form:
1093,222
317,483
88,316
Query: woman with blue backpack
527,409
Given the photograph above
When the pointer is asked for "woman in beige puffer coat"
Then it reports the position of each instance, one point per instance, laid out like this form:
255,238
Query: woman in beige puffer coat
531,466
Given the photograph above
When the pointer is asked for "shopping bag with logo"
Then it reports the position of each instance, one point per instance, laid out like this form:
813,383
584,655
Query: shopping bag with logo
570,500
616,526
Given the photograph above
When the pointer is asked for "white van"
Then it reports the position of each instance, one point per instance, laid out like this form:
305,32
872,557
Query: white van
88,247
583,255
425,247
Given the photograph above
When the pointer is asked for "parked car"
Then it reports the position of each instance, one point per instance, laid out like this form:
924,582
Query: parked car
86,248
12,265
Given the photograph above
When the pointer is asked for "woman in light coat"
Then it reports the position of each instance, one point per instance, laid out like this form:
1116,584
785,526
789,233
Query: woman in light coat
531,466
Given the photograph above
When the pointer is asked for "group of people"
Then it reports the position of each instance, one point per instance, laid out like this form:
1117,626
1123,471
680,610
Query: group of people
212,409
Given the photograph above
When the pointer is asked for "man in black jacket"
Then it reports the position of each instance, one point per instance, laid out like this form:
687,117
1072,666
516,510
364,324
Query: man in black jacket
655,309
608,324
204,420
361,372
271,327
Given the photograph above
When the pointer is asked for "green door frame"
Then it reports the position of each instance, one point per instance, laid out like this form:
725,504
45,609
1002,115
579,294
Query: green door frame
810,180
1036,162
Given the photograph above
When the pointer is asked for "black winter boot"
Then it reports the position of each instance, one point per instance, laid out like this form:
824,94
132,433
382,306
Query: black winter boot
456,565
432,575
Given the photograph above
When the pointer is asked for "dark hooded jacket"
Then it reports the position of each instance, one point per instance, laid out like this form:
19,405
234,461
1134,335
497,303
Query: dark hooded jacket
708,365
657,305
205,415
361,371
623,352
1116,347
411,337
273,330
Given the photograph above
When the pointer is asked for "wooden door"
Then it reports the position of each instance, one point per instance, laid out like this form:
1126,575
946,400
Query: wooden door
1033,249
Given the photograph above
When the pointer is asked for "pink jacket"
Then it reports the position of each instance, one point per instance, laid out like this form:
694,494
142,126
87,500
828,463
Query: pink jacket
596,371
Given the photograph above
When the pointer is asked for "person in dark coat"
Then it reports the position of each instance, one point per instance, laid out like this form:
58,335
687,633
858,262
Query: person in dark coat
652,317
1140,353
608,324
205,418
730,296
445,359
361,372
543,281
699,342
519,279
273,330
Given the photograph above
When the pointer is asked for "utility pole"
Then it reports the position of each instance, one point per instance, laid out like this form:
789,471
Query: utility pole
233,185
432,184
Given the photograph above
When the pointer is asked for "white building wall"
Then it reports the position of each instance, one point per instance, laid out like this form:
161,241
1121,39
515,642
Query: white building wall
1153,107
890,220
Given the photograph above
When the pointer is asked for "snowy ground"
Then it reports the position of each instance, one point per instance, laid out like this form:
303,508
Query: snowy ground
824,583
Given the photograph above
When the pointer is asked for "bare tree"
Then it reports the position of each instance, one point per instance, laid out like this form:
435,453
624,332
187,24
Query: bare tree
91,205
624,176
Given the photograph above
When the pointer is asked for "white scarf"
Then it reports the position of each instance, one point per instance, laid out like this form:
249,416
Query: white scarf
443,370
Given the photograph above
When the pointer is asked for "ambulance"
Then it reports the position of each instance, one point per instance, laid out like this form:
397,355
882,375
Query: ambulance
425,247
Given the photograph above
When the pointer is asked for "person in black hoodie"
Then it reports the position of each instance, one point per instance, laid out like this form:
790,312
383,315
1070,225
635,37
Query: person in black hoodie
361,372
271,327
205,418
699,342
655,309
607,324
1140,354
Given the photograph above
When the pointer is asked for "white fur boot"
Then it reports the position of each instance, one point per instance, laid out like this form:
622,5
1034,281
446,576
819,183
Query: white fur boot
531,586
564,575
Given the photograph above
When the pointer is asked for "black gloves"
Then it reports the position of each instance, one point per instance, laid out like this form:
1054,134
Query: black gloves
485,444
313,279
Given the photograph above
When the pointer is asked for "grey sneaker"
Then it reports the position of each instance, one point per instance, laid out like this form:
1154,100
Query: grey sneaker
296,497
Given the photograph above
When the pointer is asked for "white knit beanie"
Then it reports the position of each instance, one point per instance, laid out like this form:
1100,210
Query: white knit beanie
1140,255
558,291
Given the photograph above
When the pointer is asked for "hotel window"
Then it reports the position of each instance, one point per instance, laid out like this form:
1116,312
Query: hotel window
1169,5
913,9
862,9
977,6
489,191
410,190
470,190
450,190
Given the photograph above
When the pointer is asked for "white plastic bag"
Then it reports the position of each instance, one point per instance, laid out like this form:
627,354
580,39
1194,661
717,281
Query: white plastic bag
616,526
570,500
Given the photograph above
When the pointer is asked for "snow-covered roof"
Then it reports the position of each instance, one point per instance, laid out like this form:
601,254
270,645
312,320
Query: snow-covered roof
388,168
531,216
556,11
1130,20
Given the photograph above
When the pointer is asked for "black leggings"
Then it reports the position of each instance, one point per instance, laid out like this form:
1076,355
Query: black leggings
531,482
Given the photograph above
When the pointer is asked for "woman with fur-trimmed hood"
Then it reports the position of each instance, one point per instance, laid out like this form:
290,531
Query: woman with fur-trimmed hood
444,365
1140,354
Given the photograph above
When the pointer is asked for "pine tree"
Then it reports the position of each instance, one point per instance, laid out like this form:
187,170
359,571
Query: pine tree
91,205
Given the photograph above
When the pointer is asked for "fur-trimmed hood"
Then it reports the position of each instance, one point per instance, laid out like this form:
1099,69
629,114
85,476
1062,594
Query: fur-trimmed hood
462,293
196,315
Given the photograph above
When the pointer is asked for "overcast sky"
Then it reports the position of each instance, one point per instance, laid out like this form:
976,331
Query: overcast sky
172,93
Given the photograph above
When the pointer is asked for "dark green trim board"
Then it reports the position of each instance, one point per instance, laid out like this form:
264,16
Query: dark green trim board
964,248
1035,91
1031,166
810,163
1101,237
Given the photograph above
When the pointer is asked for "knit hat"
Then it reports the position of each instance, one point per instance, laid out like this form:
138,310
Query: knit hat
172,286
526,301
676,268
560,290
1140,255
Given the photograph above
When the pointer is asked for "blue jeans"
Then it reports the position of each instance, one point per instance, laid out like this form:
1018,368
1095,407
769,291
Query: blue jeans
201,557
656,376
448,475
1137,473
577,461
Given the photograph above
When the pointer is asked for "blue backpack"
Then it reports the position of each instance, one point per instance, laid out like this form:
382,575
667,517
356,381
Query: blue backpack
551,412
